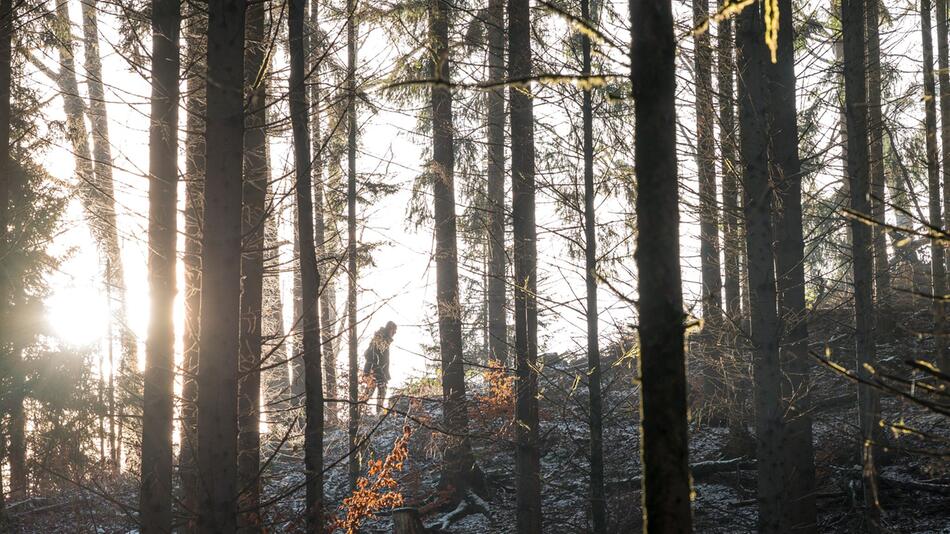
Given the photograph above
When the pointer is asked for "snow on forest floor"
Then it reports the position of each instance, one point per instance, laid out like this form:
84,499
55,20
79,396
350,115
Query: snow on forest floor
912,489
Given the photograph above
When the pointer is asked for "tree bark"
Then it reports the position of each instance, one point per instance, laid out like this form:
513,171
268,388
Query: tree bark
853,18
663,424
706,164
882,273
786,173
6,51
729,170
753,61
943,357
351,264
155,506
459,470
196,108
598,498
527,452
7,287
937,264
328,289
310,279
221,270
252,269
497,292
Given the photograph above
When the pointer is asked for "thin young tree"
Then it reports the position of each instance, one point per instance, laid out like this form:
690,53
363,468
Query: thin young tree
598,498
310,279
753,62
221,270
155,505
662,321
353,426
525,257
252,267
853,18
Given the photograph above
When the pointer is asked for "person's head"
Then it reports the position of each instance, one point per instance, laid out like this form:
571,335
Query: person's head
390,329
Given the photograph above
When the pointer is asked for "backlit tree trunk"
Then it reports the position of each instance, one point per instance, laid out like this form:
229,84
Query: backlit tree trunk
882,275
195,105
664,452
853,17
785,172
598,499
221,270
252,268
459,471
753,62
527,451
310,279
155,505
497,295
351,263
706,164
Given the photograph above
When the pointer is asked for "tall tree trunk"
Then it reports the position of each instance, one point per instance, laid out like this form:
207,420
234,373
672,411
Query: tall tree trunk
196,108
497,319
598,498
19,483
663,424
753,61
729,170
155,506
459,471
937,265
221,270
706,164
527,452
853,17
327,289
882,273
943,357
310,279
252,269
786,174
351,263
6,51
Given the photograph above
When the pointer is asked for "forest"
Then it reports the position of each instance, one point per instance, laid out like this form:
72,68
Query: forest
474,266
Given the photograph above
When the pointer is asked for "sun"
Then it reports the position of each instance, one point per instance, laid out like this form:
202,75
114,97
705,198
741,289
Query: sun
78,315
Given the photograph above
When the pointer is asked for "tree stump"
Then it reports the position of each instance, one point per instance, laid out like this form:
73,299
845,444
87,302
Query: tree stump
406,521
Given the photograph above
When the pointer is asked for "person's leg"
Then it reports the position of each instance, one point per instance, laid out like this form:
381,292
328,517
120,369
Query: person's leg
381,397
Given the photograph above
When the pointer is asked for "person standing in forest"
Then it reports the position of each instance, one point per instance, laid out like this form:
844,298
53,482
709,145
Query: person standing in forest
376,368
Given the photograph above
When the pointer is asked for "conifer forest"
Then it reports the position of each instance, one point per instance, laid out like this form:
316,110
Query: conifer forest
474,266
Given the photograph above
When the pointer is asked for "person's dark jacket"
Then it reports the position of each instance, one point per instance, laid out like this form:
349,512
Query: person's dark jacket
377,357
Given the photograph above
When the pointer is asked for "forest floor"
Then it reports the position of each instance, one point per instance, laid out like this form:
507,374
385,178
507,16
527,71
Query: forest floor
915,483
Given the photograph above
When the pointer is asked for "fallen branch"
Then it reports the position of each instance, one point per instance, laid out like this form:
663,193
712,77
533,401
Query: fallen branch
698,470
